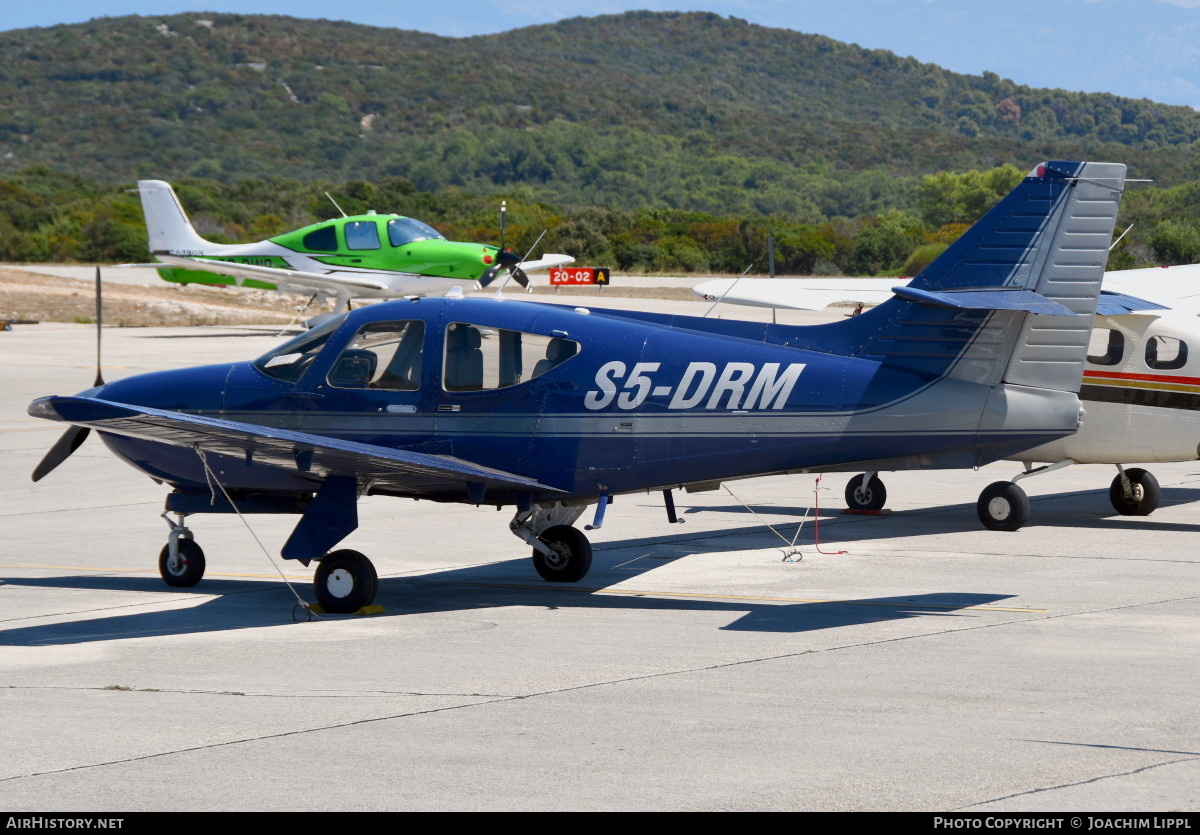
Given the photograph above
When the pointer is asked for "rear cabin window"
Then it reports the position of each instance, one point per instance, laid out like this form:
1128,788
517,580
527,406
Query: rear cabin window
405,230
362,234
382,355
480,359
1107,347
1166,353
322,240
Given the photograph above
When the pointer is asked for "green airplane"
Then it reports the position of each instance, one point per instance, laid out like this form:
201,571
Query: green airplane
369,256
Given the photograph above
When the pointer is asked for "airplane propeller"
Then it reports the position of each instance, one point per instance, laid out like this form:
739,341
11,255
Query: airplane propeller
505,260
75,435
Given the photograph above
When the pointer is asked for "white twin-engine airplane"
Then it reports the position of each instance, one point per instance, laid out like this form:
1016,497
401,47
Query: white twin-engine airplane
1140,387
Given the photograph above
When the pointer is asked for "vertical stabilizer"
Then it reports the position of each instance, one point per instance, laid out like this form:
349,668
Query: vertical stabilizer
167,224
1050,350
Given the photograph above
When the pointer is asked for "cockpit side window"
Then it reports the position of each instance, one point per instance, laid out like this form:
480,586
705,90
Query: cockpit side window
322,240
405,230
1107,347
382,355
1166,353
362,234
481,359
290,360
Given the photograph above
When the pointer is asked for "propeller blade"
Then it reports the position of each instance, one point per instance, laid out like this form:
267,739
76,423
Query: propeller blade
61,451
99,323
489,275
520,277
505,261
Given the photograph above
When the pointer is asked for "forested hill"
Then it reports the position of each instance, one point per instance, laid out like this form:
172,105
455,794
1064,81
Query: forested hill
683,110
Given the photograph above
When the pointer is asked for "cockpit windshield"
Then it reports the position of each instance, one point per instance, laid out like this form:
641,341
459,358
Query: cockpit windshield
289,361
405,230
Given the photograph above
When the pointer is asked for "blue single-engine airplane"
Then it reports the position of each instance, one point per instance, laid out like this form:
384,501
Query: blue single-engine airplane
550,409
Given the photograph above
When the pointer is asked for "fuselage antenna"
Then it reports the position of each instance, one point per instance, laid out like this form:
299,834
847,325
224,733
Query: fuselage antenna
335,204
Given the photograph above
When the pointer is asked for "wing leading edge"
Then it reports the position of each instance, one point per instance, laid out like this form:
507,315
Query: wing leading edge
415,474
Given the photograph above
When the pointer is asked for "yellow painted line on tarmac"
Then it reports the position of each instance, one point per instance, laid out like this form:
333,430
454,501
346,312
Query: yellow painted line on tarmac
153,571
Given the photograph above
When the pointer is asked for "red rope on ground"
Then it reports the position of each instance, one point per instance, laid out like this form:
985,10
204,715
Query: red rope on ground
817,520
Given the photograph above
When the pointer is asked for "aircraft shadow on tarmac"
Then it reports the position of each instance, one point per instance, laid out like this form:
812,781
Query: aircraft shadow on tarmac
1079,509
248,604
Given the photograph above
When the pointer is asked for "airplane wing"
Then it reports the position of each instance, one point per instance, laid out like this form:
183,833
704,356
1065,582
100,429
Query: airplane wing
547,261
417,474
336,280
1176,287
1146,291
798,293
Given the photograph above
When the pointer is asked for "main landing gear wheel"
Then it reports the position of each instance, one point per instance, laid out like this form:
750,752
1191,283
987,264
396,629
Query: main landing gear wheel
1003,506
1142,496
345,581
572,555
186,569
869,496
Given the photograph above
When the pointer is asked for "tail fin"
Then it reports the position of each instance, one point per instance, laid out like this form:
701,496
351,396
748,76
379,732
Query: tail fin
167,223
971,313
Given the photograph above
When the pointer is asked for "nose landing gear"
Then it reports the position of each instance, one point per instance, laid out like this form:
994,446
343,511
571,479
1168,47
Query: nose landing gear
181,561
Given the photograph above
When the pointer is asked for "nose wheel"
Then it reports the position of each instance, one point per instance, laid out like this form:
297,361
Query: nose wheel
570,557
1134,492
185,568
345,581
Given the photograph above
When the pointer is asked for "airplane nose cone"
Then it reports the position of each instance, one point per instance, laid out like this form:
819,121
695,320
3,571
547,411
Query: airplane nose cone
508,259
187,389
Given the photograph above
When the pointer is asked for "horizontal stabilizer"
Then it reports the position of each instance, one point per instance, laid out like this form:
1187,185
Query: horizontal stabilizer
993,298
1115,304
411,473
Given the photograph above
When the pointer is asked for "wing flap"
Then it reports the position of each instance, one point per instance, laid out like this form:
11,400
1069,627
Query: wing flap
413,473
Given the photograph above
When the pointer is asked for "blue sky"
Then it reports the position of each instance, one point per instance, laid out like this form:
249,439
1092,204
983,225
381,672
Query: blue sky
1138,48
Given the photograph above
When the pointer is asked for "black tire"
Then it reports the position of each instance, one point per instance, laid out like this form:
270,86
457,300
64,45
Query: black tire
345,581
869,496
1003,506
188,570
573,555
1144,497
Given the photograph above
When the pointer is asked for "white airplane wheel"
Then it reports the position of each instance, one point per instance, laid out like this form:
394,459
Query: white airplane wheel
869,496
1003,506
1142,497
571,559
345,581
187,569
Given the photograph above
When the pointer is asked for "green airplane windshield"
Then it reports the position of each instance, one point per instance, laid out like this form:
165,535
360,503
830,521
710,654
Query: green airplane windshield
404,230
